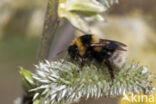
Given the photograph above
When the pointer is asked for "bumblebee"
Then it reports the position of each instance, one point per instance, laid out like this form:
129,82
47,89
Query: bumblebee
90,47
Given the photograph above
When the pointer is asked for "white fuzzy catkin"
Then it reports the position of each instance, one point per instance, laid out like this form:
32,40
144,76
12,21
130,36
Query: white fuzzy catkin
66,82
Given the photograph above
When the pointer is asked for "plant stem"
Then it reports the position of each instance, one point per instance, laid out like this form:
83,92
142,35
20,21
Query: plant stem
49,30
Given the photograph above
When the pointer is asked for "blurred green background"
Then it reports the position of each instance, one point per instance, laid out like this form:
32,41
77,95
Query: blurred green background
132,22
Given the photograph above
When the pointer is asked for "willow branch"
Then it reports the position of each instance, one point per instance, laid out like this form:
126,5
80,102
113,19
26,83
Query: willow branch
49,30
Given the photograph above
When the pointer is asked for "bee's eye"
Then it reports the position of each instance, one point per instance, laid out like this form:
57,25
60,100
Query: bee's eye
73,51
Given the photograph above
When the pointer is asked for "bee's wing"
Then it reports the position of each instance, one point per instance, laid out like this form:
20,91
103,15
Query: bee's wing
117,42
111,44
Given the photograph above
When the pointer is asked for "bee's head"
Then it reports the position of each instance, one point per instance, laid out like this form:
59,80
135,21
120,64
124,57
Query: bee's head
73,51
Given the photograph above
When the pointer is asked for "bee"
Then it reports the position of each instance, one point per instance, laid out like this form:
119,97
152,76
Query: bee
90,47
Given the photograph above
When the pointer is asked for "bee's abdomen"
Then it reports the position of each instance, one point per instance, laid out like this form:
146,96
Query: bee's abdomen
118,58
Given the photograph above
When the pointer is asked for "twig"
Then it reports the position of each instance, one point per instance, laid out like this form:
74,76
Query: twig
49,30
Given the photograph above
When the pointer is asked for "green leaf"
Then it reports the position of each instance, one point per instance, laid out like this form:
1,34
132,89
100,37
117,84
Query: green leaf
74,19
81,12
85,7
27,80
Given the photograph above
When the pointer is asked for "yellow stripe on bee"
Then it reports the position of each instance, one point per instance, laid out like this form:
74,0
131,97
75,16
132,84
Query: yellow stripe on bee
97,49
95,39
80,46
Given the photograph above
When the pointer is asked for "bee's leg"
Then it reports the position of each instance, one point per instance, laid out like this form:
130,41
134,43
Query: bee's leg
65,59
82,63
110,69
